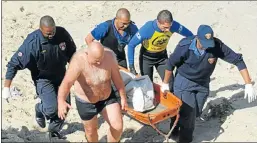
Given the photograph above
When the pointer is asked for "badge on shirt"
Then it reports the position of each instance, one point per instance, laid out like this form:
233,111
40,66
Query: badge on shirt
20,54
62,46
138,35
211,60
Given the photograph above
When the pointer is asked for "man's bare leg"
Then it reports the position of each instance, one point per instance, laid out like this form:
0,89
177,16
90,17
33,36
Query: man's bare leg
91,127
112,115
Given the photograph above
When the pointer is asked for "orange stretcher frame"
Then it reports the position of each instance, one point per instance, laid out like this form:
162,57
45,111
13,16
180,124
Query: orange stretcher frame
169,100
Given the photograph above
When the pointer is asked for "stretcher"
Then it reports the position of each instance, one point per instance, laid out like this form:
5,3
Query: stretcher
167,106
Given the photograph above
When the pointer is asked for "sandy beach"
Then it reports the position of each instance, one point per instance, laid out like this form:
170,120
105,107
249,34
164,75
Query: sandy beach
231,118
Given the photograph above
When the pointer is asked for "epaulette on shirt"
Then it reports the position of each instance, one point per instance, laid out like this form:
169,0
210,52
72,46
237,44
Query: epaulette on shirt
186,41
31,37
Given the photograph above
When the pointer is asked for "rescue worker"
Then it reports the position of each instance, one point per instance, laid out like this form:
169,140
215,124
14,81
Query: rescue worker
195,58
154,36
115,34
45,52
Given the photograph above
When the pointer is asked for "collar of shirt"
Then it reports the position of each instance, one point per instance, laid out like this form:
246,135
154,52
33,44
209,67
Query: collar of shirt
155,26
197,51
125,38
41,37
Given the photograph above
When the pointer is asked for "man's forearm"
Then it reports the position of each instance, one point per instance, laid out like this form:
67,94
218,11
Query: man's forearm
63,92
246,76
89,39
167,76
7,83
122,93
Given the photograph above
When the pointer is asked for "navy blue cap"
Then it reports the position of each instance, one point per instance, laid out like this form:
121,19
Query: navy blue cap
205,35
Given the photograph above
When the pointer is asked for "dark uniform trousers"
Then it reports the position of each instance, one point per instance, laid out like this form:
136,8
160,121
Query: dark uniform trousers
147,64
193,97
47,91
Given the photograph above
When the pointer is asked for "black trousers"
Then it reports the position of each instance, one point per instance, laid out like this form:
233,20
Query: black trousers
47,91
186,123
146,67
193,97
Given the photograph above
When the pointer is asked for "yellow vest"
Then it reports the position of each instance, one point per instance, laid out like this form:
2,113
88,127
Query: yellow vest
158,42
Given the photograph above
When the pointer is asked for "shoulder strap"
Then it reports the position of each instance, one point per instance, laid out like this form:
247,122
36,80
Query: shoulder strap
109,22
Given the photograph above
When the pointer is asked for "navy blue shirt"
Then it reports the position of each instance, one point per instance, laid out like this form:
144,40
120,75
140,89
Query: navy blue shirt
44,58
147,31
199,68
102,29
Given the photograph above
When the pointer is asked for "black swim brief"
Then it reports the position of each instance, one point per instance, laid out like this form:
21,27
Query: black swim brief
88,110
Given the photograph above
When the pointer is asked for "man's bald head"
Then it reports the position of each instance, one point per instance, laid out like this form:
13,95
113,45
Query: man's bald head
95,52
123,13
47,26
122,20
47,21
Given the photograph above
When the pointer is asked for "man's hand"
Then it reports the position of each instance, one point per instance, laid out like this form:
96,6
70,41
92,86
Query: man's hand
62,109
6,93
132,69
165,87
124,103
250,93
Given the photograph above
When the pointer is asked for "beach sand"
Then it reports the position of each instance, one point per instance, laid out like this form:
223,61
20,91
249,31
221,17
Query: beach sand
232,118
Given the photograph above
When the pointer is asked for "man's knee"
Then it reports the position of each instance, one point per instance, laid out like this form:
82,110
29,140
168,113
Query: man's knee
92,130
50,111
117,125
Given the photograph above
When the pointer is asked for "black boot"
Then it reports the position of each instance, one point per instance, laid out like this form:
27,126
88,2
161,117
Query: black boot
53,134
40,118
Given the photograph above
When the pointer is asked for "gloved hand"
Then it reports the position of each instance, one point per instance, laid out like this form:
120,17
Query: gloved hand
165,87
6,93
250,93
132,69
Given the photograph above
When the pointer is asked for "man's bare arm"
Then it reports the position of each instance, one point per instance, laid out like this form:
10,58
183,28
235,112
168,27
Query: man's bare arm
167,76
71,75
89,38
117,79
246,76
7,83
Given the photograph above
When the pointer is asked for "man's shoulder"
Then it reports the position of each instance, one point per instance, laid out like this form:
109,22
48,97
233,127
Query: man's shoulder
147,30
109,53
104,24
217,41
133,26
80,52
148,24
32,37
61,30
79,55
186,41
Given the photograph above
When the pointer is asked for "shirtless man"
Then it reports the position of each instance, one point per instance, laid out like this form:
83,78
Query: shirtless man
92,70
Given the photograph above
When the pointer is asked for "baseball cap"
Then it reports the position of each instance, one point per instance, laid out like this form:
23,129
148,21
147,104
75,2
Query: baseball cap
205,35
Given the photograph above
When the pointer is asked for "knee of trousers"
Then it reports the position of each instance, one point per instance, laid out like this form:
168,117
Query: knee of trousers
51,111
